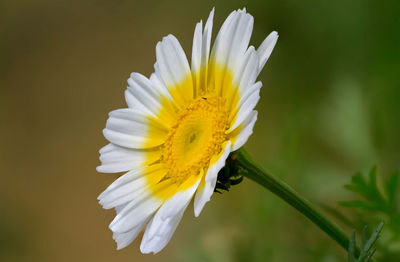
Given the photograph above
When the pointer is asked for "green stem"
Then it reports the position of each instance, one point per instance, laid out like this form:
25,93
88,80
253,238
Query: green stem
285,192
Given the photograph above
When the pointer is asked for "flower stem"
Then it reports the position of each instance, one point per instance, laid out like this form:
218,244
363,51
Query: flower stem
285,192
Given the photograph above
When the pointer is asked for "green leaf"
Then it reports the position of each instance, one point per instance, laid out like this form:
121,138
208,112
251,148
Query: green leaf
364,236
374,199
367,250
358,204
352,247
375,202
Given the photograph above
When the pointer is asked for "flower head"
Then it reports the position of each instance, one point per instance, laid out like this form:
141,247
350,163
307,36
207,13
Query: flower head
179,128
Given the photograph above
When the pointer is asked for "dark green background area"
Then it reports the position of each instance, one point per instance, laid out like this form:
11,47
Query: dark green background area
329,107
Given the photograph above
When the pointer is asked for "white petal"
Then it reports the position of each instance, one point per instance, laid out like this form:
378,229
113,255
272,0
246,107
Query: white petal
122,194
196,48
172,206
125,178
205,49
247,72
233,39
116,159
130,186
164,229
266,47
173,68
241,136
172,60
159,85
201,51
133,186
125,195
205,192
146,95
146,201
130,128
223,40
152,95
124,239
245,109
143,90
134,103
119,208
244,79
134,214
161,228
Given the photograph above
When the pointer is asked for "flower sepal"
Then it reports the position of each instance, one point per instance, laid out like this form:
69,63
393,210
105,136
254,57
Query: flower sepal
230,175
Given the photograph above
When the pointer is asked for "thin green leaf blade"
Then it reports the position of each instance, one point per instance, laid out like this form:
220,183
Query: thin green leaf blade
352,248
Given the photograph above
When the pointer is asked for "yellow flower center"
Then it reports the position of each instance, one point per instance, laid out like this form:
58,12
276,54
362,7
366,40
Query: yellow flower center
196,136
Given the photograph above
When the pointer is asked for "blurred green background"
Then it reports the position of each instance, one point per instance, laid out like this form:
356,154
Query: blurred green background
329,108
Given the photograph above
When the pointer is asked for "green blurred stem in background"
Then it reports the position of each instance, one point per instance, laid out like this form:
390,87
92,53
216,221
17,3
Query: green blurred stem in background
285,192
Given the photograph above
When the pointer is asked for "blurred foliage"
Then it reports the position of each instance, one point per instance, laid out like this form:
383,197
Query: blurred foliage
375,204
385,202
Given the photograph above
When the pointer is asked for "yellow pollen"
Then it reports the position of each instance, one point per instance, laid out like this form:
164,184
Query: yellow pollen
196,136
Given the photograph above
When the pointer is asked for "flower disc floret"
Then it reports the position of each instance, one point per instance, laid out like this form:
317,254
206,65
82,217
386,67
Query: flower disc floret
196,136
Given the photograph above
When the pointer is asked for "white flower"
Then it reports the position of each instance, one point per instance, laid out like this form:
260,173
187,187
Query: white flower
179,128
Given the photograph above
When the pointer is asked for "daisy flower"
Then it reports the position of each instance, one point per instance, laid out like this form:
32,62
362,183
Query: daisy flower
179,128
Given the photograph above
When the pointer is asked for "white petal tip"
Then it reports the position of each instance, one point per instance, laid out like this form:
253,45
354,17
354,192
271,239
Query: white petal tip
198,209
197,212
112,226
212,12
99,198
146,250
119,247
